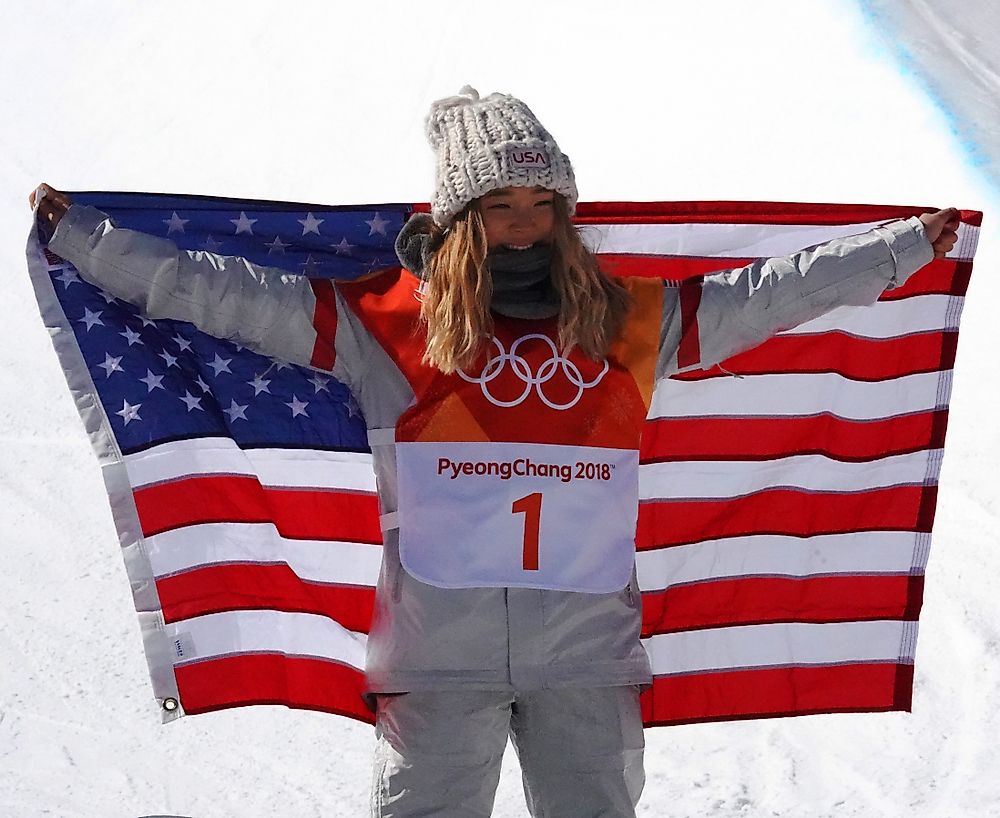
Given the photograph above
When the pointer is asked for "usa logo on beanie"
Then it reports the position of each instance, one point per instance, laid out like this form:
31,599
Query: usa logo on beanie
527,158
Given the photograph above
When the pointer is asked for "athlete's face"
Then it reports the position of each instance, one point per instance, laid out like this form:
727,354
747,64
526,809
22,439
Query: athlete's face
517,217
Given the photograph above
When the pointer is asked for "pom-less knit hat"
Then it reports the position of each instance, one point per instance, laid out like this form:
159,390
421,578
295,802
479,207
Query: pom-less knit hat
491,143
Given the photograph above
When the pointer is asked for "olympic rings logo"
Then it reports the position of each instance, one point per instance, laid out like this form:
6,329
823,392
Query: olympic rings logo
520,367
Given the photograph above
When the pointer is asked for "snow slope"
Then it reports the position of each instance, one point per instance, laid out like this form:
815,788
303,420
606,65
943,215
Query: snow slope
952,50
777,99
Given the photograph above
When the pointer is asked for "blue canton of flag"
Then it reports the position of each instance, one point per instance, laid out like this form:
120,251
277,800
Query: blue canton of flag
164,380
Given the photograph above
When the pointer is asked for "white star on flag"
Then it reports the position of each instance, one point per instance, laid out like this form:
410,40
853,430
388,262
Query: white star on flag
129,412
236,411
220,365
108,297
259,385
210,244
309,265
298,407
276,246
191,401
131,336
90,318
67,277
352,407
310,224
183,343
376,224
175,224
344,247
171,360
319,382
146,321
111,364
243,224
201,384
152,381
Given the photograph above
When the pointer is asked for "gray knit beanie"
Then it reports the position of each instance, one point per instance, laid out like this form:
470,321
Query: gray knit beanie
491,143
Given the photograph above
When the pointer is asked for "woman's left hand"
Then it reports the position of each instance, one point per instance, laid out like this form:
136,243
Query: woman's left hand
942,229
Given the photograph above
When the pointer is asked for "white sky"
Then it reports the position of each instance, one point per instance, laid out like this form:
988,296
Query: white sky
323,102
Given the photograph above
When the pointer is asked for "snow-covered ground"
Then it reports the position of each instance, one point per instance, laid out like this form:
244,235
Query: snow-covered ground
323,102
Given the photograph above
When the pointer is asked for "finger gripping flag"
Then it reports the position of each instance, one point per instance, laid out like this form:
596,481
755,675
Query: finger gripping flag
787,495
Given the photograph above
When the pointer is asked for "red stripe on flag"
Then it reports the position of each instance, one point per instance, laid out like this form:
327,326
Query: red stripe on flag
272,678
963,275
940,277
758,600
927,509
943,276
860,359
789,512
302,514
52,259
247,586
726,438
325,323
771,692
671,268
689,349
727,212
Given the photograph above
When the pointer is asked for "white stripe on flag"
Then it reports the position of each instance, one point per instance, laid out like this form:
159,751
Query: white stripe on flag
734,240
246,632
291,468
867,552
711,479
779,645
326,561
888,319
795,395
870,552
729,240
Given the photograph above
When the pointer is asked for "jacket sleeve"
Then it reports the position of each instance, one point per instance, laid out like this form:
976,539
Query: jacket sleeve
267,309
734,310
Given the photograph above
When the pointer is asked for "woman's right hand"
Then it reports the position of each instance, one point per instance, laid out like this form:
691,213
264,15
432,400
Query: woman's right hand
52,206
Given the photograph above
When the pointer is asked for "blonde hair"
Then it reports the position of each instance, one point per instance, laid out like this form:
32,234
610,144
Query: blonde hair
458,290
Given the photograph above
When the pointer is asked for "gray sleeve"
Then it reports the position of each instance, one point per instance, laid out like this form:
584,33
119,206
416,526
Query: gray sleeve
735,310
266,309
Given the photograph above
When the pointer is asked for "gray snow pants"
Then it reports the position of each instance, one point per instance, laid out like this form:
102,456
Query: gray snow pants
438,753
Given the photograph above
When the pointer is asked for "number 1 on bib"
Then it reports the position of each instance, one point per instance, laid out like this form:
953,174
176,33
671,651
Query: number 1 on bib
531,506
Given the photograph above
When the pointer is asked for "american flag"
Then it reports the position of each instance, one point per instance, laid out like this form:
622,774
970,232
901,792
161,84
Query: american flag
786,497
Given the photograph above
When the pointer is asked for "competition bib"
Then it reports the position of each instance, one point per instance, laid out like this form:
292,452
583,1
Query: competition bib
517,515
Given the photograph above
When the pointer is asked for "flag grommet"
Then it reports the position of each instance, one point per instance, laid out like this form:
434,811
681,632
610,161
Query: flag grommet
170,704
